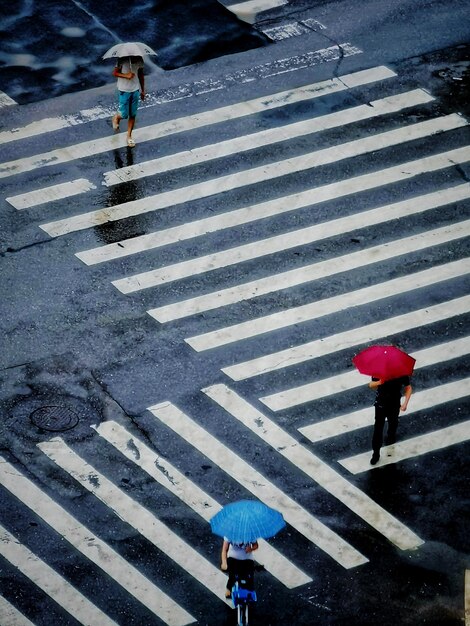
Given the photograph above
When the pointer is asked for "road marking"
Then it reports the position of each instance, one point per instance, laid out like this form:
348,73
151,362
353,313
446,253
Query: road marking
137,516
5,100
292,29
350,380
467,597
410,448
202,154
320,308
294,277
257,484
52,583
196,88
255,6
254,175
10,616
348,339
49,194
319,471
202,503
97,551
422,400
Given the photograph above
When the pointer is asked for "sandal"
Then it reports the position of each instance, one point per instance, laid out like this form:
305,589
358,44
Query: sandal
115,123
130,142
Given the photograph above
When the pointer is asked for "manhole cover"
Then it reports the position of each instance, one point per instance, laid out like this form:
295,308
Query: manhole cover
54,418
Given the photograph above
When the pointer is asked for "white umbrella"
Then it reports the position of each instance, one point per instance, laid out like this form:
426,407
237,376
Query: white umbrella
129,49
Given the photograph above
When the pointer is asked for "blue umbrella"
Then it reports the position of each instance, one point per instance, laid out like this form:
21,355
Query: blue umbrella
246,521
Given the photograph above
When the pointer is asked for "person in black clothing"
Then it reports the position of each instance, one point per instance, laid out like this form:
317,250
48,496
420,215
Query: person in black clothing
388,405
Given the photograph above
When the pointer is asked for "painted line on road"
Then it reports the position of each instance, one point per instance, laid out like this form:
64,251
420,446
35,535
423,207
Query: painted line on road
93,548
49,581
137,516
325,387
161,470
202,154
284,204
292,29
348,339
319,471
252,7
410,448
342,302
10,616
49,194
5,100
467,597
422,400
257,484
262,173
252,289
196,88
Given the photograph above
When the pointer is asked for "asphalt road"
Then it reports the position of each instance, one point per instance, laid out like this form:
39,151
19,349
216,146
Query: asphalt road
299,217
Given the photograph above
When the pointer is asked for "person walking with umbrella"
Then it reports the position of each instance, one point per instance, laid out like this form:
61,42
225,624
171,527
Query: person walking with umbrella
390,369
129,71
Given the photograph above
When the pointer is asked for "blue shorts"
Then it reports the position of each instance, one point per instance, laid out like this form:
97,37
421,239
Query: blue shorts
128,103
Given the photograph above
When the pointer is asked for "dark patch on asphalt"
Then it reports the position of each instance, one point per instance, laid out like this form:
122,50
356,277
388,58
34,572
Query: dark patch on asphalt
50,48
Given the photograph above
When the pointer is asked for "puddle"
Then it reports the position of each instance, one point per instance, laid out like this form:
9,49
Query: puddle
52,47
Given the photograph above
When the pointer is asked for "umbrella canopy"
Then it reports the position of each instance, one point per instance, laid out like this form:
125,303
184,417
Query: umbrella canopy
129,49
384,362
246,521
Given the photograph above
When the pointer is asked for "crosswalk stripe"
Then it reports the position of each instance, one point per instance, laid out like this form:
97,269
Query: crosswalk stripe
348,339
10,616
197,120
350,380
267,137
201,502
49,194
252,7
257,174
422,400
257,484
140,518
319,471
52,583
97,551
320,308
410,448
287,279
255,212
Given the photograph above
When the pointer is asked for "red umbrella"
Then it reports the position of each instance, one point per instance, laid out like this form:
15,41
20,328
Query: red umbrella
384,362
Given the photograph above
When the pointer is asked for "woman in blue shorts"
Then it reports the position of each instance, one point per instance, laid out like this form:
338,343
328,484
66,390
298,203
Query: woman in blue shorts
131,87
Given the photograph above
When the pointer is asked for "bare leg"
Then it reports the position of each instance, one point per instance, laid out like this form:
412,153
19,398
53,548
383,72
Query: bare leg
116,119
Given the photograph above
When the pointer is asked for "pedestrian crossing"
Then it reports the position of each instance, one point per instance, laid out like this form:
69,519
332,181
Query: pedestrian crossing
382,169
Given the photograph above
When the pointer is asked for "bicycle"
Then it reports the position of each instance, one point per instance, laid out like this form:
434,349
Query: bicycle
242,599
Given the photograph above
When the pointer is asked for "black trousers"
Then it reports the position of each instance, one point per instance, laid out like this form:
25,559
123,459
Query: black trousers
382,413
243,570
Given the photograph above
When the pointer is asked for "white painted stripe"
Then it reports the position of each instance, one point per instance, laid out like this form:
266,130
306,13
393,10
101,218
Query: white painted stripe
196,88
255,175
140,518
278,206
255,6
410,448
161,470
198,120
292,29
422,400
97,551
343,382
257,484
317,309
49,194
52,583
348,339
10,616
291,278
319,471
5,100
267,137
